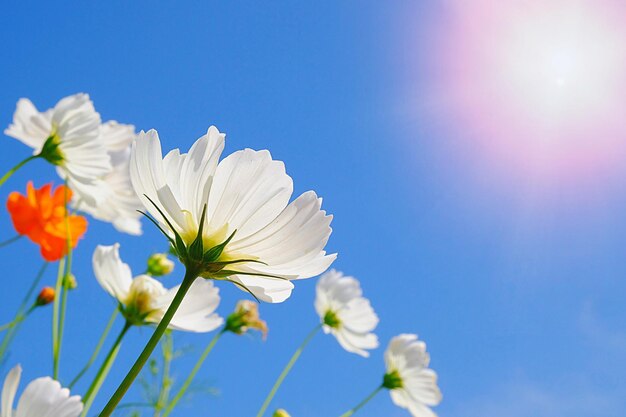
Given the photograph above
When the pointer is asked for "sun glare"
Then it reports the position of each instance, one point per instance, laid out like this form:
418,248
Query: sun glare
537,82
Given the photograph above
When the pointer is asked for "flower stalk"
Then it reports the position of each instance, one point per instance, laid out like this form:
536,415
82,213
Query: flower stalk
286,370
12,171
181,392
362,403
103,372
190,277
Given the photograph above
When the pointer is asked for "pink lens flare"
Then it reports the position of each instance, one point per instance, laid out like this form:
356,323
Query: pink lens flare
535,85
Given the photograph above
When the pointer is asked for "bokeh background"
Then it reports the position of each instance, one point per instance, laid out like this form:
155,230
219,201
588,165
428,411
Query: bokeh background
473,154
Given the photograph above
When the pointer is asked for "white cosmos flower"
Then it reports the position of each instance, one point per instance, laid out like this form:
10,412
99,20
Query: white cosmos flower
411,383
43,397
122,203
345,313
68,137
145,300
246,196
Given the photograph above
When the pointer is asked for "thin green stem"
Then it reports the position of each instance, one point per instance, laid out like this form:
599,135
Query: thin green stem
286,370
362,403
167,348
10,334
55,320
96,351
66,275
190,277
6,176
11,240
20,316
181,392
92,392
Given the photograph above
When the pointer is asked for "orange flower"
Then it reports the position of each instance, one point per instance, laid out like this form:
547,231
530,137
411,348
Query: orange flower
40,215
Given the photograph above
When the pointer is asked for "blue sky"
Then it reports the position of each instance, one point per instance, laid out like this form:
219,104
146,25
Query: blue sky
517,288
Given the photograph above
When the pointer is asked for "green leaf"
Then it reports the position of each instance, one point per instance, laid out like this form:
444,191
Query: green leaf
215,252
196,249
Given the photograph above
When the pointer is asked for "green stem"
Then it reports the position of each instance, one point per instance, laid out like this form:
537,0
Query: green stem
96,351
55,320
181,392
20,316
11,240
286,370
92,392
10,334
6,176
362,403
167,347
190,277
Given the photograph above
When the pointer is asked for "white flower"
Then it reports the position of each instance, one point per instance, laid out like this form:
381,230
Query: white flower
265,240
345,313
145,300
411,383
121,205
68,137
43,397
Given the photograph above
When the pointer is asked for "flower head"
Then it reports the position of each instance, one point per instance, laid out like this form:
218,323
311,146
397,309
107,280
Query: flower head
411,383
144,300
345,313
67,136
159,264
246,317
281,413
121,205
232,219
42,397
45,297
41,215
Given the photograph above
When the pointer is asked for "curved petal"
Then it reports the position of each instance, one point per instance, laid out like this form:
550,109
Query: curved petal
9,389
356,342
29,125
116,136
292,245
112,274
249,191
270,290
44,397
196,312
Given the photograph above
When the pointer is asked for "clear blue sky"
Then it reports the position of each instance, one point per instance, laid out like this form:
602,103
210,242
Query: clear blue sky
520,298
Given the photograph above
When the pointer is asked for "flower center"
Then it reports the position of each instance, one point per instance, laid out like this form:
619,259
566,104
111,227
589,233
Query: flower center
331,319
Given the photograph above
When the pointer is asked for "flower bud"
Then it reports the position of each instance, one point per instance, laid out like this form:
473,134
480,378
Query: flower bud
159,265
281,413
69,282
46,296
245,317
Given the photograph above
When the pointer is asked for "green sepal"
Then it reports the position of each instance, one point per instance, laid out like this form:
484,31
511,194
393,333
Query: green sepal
50,151
196,249
215,252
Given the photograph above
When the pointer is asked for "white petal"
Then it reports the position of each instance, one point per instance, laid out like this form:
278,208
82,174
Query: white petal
148,179
116,136
29,125
44,397
271,290
356,342
112,274
249,191
292,245
422,386
9,389
197,311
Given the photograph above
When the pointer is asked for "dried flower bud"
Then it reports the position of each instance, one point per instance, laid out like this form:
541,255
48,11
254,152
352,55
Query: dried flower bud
281,413
46,296
159,265
245,317
70,282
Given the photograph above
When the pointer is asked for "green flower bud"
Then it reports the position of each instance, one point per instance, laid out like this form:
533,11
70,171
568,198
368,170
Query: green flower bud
281,413
159,265
69,282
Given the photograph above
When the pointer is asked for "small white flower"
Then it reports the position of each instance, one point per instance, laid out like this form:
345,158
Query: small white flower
412,384
68,137
345,313
43,397
122,203
145,300
251,234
